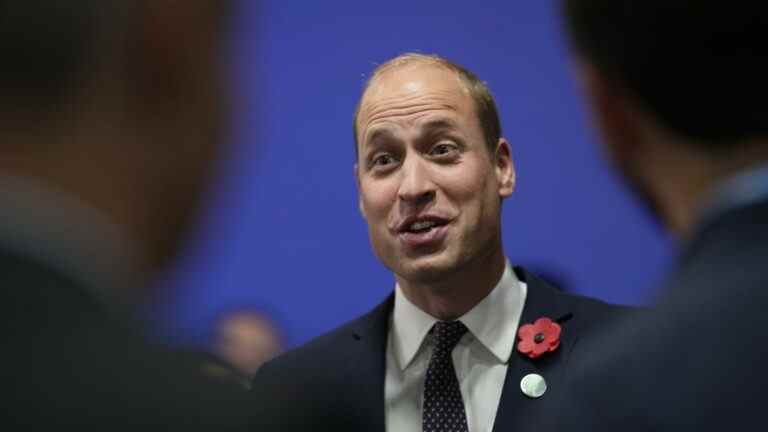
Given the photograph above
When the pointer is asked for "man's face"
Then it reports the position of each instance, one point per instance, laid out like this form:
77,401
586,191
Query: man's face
430,190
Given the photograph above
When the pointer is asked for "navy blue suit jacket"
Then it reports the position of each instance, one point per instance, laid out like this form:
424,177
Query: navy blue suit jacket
336,382
696,362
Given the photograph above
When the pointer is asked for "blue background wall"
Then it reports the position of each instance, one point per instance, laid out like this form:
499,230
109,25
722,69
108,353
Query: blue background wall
283,231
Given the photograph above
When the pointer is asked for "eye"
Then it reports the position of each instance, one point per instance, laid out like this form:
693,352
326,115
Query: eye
444,149
382,160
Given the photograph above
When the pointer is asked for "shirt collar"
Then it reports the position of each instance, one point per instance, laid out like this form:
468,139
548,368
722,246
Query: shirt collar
409,327
740,190
493,321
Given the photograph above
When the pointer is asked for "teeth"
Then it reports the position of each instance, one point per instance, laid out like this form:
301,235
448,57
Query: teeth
421,225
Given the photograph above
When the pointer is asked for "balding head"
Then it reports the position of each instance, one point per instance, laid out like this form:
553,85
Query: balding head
477,90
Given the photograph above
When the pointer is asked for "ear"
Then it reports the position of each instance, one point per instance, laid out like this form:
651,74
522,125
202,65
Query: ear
505,168
356,170
613,111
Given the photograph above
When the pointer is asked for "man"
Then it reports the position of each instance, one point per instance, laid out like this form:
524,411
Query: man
678,91
442,352
109,126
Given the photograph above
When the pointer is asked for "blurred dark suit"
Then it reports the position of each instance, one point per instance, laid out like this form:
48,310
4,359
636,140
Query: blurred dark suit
696,363
71,355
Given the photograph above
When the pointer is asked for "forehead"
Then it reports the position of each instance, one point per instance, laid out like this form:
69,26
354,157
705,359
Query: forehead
410,92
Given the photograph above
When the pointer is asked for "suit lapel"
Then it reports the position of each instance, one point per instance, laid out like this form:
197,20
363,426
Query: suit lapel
541,301
367,362
367,367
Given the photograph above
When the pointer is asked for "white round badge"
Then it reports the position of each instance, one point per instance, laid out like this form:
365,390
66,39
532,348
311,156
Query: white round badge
533,385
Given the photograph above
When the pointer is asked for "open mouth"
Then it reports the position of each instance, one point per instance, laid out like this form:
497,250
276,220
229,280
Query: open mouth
424,232
423,226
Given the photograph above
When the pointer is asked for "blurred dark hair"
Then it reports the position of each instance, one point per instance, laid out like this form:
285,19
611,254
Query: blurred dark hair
47,47
699,66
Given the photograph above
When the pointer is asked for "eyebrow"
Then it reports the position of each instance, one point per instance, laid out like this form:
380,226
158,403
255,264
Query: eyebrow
375,137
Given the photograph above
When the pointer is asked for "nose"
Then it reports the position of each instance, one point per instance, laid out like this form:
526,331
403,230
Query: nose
416,188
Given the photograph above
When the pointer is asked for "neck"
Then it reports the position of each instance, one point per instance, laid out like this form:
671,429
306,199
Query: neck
456,293
683,178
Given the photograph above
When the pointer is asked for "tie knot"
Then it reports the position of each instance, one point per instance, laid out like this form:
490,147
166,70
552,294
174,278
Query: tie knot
447,334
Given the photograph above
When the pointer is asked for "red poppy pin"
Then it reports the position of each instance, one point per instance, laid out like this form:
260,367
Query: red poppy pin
538,338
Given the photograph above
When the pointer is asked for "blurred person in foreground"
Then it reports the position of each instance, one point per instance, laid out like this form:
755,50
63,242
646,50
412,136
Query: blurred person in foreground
109,128
466,342
679,95
246,339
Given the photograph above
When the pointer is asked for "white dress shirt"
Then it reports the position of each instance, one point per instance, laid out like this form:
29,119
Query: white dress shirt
480,358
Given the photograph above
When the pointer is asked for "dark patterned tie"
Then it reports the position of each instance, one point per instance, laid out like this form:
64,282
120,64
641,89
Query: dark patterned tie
443,409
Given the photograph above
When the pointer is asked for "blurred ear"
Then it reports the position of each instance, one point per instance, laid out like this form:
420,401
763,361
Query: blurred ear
505,168
359,195
613,113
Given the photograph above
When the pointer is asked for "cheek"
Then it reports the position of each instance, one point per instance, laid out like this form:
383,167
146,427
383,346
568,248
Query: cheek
474,194
377,198
467,185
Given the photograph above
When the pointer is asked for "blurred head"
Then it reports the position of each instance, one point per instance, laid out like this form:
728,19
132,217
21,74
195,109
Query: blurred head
247,339
118,103
432,169
674,83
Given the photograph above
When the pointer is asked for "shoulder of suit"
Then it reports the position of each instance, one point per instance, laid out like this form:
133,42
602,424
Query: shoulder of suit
580,302
329,347
595,305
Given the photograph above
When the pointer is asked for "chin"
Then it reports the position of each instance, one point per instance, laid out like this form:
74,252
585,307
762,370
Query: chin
429,268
